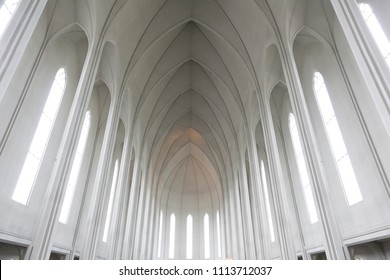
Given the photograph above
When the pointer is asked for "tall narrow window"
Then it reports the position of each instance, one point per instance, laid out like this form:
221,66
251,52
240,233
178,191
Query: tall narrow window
376,30
189,237
267,203
7,10
74,173
172,237
110,202
339,150
206,236
41,137
160,234
302,169
219,235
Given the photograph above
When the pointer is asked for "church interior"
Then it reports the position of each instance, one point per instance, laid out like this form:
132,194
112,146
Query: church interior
194,129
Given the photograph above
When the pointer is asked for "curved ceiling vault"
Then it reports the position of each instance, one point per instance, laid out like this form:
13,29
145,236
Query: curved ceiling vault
191,77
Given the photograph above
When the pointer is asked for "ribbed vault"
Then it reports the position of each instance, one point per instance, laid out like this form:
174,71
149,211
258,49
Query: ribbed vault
189,70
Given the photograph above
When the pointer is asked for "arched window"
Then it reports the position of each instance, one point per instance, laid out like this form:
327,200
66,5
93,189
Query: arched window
189,237
74,173
206,236
172,237
41,137
302,169
339,150
111,202
267,203
160,234
376,30
219,235
7,10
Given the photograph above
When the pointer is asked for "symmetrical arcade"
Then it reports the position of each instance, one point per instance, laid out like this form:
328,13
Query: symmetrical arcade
194,129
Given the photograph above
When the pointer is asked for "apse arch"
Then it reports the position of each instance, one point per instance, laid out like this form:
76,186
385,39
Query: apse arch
193,151
188,192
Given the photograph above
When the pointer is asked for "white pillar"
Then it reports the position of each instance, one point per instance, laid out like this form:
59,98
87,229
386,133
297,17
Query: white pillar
141,219
131,212
282,213
332,236
227,224
246,211
101,183
260,212
43,237
122,189
12,49
14,42
239,249
124,183
375,72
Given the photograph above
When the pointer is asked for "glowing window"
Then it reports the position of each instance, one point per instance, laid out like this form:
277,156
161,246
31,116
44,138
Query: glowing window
74,173
267,203
7,10
160,234
302,169
189,237
41,137
111,202
172,237
376,30
219,235
339,150
206,236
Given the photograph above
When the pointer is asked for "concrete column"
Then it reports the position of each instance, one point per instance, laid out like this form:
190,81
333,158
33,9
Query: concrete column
233,222
131,213
222,227
12,49
332,236
101,183
246,212
226,225
151,232
144,220
261,230
282,213
122,190
124,183
43,237
239,251
369,59
14,42
375,73
153,241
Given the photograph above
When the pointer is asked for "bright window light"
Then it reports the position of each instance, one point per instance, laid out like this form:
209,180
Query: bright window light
267,203
74,174
41,137
302,169
160,234
376,31
189,237
7,10
172,237
339,150
206,236
219,235
111,202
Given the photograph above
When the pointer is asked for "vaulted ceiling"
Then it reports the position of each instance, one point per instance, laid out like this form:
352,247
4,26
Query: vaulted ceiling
191,68
193,72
